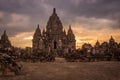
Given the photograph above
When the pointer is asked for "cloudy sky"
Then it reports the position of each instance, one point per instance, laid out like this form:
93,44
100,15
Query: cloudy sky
91,20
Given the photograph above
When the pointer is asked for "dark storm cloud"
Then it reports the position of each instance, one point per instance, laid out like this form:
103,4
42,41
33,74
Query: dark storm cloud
21,6
14,30
89,8
38,11
107,9
31,8
5,18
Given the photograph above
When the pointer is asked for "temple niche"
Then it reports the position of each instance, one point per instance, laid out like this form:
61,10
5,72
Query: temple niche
53,37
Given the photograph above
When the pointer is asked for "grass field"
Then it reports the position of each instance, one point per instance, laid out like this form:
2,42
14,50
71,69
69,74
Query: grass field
68,71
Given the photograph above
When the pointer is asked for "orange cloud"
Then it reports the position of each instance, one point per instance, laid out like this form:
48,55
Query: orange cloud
83,35
22,40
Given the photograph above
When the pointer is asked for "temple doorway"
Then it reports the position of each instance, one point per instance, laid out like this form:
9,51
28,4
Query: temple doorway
55,44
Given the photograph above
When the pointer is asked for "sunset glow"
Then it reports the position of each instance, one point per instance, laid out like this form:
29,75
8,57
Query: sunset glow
90,20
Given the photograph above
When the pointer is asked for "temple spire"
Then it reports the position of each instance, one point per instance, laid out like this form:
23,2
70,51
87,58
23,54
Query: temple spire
54,10
69,26
54,22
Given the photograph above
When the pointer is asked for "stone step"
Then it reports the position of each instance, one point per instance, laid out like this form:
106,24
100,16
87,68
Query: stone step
58,59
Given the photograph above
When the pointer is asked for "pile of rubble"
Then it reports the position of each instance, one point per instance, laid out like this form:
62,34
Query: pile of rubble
8,66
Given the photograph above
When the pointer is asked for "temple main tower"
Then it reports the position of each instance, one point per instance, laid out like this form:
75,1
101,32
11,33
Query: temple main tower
54,37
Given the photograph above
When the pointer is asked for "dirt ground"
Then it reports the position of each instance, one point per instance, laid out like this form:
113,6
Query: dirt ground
68,71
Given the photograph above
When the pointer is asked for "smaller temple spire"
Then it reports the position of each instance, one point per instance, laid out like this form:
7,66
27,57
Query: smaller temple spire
4,31
70,34
69,26
70,30
4,35
64,32
111,37
43,32
111,40
97,43
38,26
38,31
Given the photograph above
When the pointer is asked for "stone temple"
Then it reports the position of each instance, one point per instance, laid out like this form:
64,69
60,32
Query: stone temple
5,43
54,37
